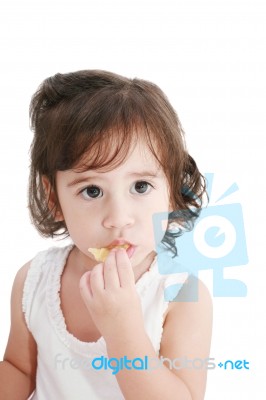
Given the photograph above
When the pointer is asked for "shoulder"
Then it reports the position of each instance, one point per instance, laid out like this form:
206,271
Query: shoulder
47,264
192,306
17,293
21,347
193,291
41,262
28,275
20,279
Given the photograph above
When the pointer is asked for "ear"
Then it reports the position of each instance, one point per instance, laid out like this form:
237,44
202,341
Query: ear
51,198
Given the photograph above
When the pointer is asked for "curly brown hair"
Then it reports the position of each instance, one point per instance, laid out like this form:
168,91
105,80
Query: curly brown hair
99,113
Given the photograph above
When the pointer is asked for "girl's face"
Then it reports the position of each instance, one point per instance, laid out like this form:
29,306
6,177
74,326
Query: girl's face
102,207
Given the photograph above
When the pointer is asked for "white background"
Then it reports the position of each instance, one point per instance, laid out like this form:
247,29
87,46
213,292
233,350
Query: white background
209,58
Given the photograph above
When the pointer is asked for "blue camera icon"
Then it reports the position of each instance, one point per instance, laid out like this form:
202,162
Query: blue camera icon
217,241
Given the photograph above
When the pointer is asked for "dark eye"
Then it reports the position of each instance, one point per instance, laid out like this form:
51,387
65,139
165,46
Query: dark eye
91,192
141,187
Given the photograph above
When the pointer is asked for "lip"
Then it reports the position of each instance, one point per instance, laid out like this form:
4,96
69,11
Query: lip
131,250
120,242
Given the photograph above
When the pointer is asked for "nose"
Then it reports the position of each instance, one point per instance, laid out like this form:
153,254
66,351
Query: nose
117,214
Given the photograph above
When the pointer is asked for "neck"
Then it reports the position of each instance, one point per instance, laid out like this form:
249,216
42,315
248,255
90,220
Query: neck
144,266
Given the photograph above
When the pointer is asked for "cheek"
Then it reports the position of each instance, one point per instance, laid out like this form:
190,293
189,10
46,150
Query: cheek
159,217
71,214
159,228
164,225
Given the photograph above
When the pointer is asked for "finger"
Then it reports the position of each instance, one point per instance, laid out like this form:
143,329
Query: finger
96,279
124,268
111,278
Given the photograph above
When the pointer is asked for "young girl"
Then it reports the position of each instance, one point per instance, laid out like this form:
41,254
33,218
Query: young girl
90,320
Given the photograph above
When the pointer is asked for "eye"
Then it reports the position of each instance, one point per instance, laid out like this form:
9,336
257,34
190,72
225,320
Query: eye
141,187
91,192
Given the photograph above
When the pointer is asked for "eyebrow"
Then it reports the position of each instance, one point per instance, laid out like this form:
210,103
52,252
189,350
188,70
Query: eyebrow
146,174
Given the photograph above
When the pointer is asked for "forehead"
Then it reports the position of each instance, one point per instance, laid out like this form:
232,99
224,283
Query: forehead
140,153
113,154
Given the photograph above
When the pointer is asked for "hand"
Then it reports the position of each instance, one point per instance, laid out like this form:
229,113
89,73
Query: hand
110,295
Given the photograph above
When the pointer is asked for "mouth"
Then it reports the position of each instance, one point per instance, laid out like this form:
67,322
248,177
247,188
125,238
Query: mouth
122,244
102,253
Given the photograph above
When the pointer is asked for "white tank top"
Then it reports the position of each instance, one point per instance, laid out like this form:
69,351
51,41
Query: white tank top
68,368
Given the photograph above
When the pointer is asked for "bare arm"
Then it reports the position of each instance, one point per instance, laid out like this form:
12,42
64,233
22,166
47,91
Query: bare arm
18,369
187,336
